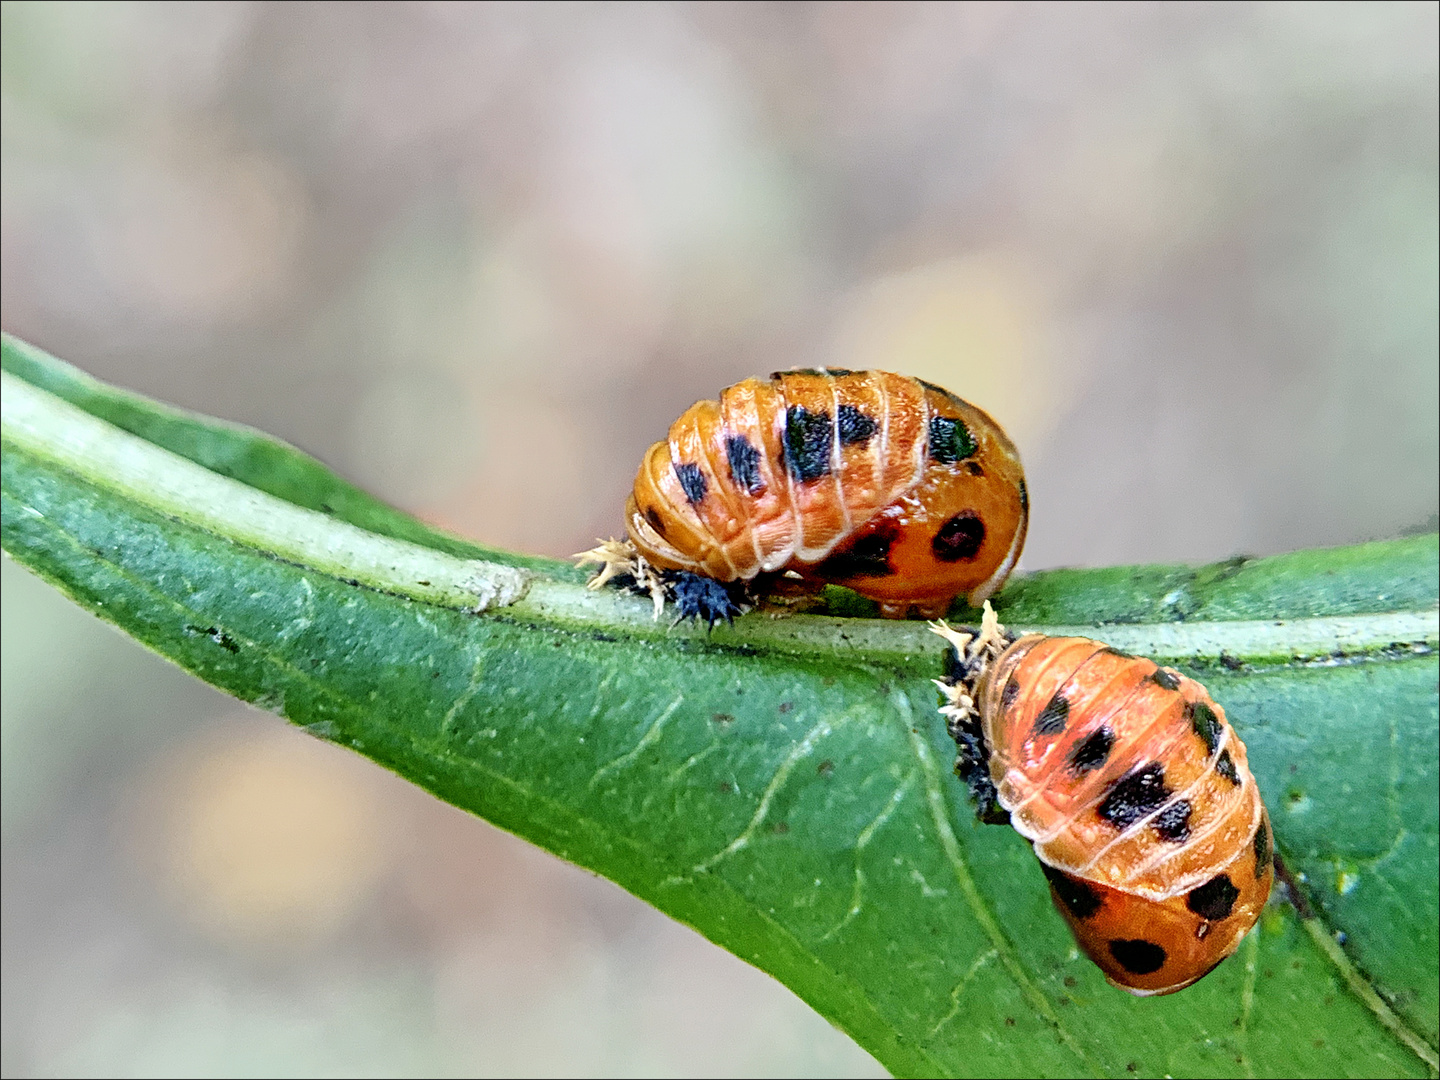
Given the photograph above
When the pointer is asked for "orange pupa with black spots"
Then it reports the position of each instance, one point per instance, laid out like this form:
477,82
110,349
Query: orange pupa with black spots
1137,796
885,484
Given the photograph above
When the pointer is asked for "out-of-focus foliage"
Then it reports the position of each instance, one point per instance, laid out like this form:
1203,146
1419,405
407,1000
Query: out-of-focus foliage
476,257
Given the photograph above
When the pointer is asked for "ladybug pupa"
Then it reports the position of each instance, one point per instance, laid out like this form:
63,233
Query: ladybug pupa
888,485
1132,787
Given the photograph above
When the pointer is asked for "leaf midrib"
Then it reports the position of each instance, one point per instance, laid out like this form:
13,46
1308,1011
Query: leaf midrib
423,574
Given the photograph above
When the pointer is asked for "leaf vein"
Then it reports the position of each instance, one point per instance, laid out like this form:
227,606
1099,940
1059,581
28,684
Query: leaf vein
978,963
477,674
652,734
940,814
798,752
861,840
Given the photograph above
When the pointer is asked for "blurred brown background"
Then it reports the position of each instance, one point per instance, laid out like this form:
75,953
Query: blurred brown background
476,257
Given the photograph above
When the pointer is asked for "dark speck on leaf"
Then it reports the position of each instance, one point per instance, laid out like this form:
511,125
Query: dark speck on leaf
723,718
218,636
825,768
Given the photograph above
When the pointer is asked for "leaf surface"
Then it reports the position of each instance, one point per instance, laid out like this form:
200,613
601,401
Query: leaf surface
785,786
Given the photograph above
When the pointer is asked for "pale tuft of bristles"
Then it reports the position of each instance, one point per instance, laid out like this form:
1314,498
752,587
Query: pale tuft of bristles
617,558
977,652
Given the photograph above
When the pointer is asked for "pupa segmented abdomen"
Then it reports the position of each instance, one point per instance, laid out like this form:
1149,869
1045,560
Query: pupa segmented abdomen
886,484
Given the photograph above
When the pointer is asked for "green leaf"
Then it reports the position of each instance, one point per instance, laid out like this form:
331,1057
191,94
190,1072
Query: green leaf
784,785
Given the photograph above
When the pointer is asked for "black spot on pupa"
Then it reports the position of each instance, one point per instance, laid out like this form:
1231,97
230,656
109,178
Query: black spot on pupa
950,440
1137,956
1164,679
946,394
1110,651
1225,766
807,443
744,464
1205,724
867,556
1214,900
1093,751
1010,693
1024,497
837,372
1173,823
1135,795
959,538
854,425
656,522
1262,847
692,482
973,468
1078,897
1051,720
